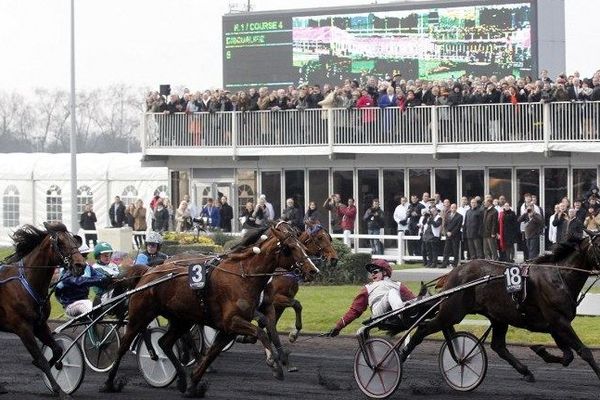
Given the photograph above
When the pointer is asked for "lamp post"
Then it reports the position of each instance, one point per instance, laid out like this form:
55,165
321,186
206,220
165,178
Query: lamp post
73,141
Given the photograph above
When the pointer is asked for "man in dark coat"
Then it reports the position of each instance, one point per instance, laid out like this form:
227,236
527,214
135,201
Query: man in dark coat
452,224
414,215
490,230
116,213
292,214
509,232
472,230
225,215
534,225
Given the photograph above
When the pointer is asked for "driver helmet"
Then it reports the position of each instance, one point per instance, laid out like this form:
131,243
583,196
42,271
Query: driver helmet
102,248
154,237
382,265
84,250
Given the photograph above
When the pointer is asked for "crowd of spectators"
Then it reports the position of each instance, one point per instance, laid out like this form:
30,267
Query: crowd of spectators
372,91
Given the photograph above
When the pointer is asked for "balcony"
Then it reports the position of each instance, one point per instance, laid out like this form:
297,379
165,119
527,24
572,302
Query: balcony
489,128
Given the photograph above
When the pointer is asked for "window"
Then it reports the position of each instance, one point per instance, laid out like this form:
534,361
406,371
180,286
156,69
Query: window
246,181
294,187
54,204
393,189
368,190
84,196
528,181
271,187
129,195
10,207
162,191
419,182
500,183
472,183
318,191
445,184
583,179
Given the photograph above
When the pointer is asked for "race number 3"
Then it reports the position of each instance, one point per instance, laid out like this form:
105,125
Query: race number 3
196,276
513,279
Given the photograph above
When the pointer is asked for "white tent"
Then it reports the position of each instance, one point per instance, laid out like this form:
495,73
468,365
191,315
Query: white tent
35,187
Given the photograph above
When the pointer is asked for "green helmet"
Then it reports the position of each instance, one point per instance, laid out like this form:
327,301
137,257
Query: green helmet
102,248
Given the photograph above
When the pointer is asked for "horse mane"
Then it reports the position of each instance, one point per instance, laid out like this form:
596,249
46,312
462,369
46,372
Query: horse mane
250,238
25,239
560,252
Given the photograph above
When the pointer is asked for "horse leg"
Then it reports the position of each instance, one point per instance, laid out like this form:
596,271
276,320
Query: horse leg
498,344
43,333
281,302
267,321
565,360
195,389
28,339
239,324
297,306
134,327
565,332
176,330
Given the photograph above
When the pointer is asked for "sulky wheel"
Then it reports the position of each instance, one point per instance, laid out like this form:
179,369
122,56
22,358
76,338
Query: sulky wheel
160,372
69,372
382,380
467,371
209,338
100,345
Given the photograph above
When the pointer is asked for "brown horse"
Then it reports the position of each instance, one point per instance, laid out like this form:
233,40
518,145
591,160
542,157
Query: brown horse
227,303
24,283
553,285
281,291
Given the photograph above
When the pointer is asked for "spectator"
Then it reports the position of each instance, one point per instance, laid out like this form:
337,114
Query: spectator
414,212
347,215
432,228
592,221
312,215
292,215
332,203
211,212
401,215
374,219
473,230
508,231
225,215
87,222
490,231
247,219
171,213
139,223
161,217
574,227
129,215
191,206
452,227
116,213
183,218
270,211
534,225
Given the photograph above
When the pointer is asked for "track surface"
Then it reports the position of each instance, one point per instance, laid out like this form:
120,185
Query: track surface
326,372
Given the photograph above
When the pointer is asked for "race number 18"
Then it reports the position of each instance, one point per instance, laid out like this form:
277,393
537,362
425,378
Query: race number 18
513,279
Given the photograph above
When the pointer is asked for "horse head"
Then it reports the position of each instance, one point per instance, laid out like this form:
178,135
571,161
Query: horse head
65,248
288,242
318,243
593,248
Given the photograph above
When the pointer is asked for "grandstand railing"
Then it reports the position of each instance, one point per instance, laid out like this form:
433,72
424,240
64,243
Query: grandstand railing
550,126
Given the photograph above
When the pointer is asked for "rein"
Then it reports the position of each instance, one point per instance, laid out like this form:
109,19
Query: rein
243,274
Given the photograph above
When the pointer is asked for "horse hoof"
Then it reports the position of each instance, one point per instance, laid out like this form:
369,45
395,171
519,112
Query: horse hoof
181,384
113,387
293,336
529,378
3,389
196,391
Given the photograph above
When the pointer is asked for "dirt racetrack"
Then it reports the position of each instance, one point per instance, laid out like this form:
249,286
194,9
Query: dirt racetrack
325,372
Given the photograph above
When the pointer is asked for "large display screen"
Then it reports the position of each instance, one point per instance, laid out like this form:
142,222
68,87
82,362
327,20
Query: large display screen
277,50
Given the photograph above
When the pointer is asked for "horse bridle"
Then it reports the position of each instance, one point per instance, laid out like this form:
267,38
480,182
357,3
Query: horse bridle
67,259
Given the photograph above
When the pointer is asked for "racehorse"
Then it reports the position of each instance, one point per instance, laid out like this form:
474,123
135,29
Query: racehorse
281,291
553,285
227,302
24,283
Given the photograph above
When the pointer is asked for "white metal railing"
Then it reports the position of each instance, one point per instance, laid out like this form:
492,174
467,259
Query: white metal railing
423,125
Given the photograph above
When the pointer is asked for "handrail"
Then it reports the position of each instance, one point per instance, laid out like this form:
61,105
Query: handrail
431,127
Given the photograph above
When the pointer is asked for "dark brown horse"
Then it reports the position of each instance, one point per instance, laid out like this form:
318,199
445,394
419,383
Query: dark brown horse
281,291
227,303
553,286
24,283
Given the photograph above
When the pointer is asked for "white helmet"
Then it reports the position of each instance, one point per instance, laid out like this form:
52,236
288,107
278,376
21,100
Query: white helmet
154,237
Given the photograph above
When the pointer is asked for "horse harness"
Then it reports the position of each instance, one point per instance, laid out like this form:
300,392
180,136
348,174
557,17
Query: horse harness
39,300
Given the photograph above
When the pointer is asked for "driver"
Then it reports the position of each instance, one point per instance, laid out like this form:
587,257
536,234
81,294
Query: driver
382,295
72,292
152,256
